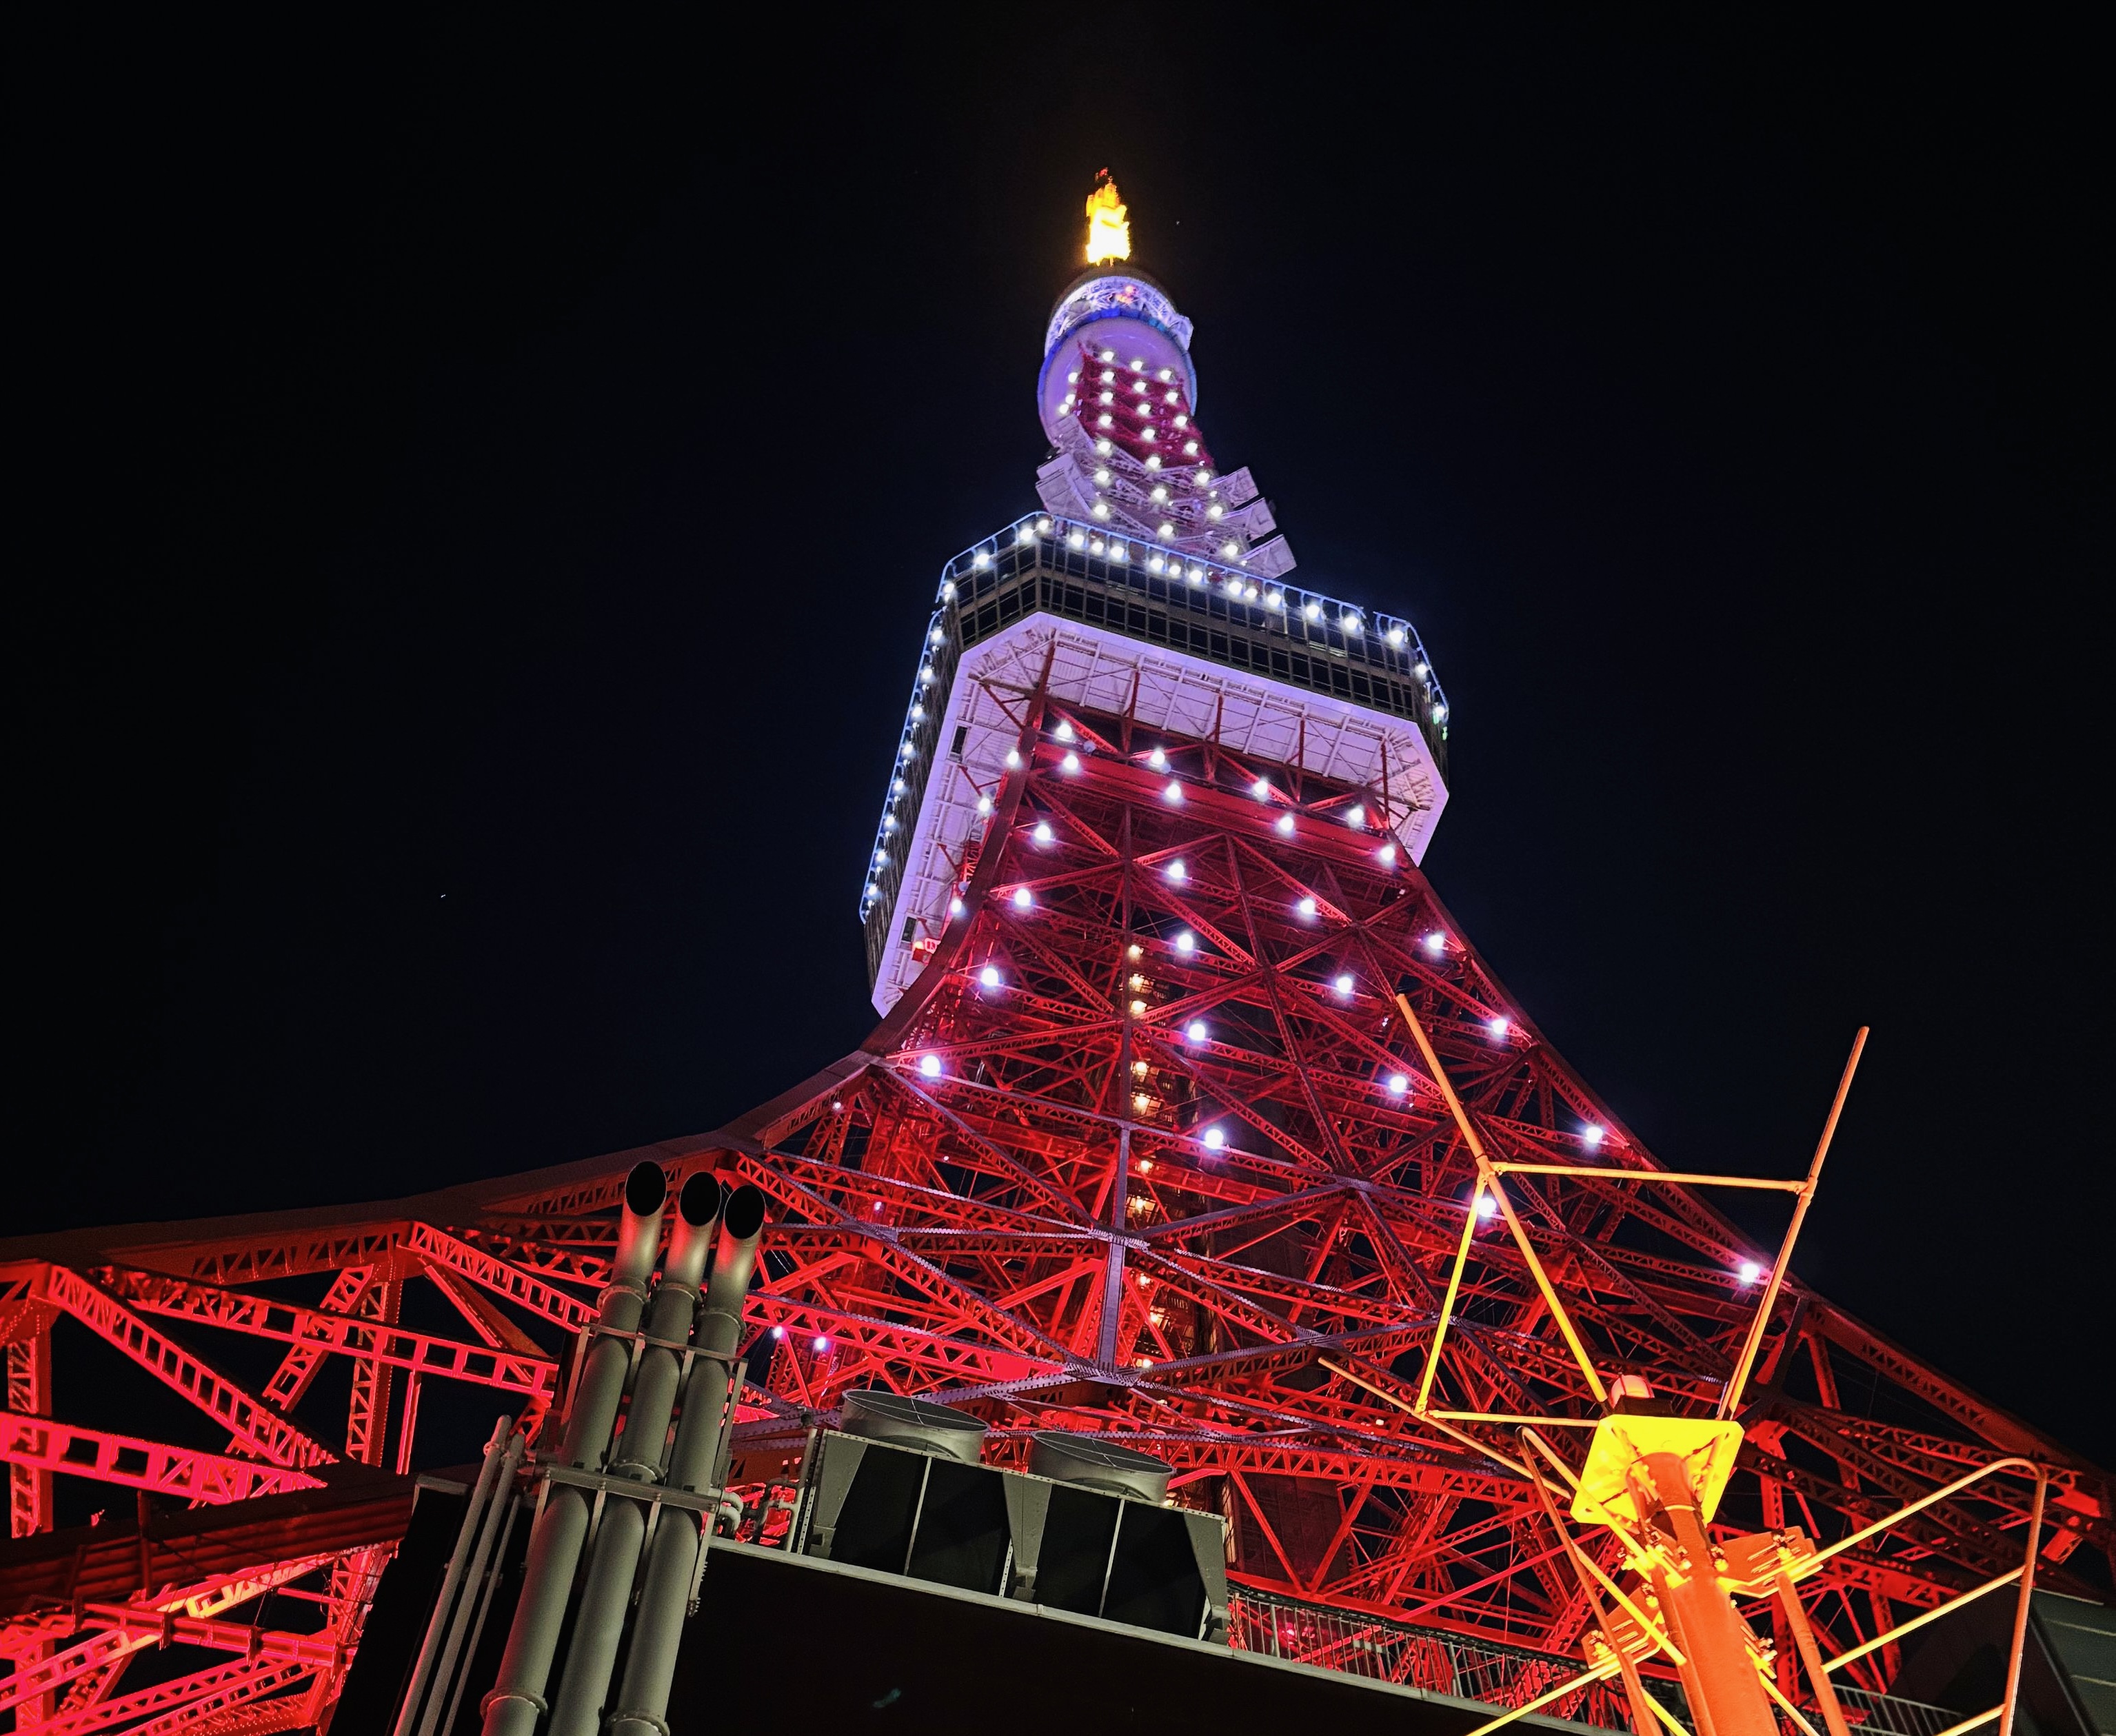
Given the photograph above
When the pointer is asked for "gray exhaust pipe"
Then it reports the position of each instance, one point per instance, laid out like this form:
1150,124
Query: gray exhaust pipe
599,1624
657,1631
517,1701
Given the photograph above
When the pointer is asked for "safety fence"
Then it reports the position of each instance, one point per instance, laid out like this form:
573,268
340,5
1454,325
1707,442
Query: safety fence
1502,1676
1384,1650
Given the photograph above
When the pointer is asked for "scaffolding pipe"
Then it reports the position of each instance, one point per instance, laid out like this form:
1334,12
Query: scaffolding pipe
458,1567
516,1702
474,1586
672,1565
614,1560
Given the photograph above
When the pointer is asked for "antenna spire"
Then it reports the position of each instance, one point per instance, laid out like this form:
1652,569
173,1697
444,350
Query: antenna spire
1108,233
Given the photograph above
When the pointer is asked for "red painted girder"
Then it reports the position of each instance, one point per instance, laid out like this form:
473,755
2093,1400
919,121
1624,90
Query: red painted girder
945,1243
377,1307
246,1416
1380,1345
1221,1299
25,1316
140,1625
34,1678
548,1233
1966,1538
198,1695
135,1623
1062,1206
965,1303
393,1347
1287,1209
1283,1458
126,1460
574,1265
290,1381
1934,1528
28,1372
931,1353
526,1289
598,1192
2004,1431
818,1181
1320,1298
251,1259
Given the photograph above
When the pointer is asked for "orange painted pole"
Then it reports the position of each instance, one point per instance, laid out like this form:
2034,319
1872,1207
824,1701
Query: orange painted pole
1643,1721
1895,1633
1858,1537
1430,1418
1730,1399
1487,1182
1811,1655
1543,1283
1447,1304
1726,1692
1611,1173
2022,1606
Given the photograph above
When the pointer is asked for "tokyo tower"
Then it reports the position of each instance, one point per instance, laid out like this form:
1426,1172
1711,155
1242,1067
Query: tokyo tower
1193,1124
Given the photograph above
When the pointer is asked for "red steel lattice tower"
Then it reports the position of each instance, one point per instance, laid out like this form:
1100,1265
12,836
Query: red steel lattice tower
1145,1143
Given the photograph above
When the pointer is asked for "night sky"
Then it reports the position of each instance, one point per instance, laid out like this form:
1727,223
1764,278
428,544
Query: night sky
482,494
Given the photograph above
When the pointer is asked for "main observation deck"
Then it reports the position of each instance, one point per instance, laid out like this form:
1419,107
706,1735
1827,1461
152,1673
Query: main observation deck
1180,646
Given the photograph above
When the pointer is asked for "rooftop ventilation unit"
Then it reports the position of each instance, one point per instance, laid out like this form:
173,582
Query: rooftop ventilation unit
1097,1464
900,1490
917,1423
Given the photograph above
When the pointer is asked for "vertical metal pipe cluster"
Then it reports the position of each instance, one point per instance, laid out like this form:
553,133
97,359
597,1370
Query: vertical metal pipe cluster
681,1539
612,1478
613,1562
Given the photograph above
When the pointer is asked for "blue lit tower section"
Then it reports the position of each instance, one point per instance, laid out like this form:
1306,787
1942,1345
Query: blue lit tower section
1151,590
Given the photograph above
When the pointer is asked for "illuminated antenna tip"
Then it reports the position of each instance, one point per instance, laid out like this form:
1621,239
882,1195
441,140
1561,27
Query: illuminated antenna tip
1109,230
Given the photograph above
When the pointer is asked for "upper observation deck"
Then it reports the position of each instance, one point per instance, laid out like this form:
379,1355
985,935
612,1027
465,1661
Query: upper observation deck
1334,700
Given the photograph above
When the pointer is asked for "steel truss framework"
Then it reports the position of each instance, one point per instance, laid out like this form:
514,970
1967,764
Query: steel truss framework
1147,1150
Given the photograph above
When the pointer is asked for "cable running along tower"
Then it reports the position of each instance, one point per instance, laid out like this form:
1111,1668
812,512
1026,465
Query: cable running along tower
1192,1122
